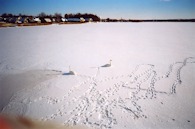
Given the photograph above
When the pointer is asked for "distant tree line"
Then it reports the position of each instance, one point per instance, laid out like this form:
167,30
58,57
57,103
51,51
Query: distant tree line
95,18
56,15
44,15
85,16
150,20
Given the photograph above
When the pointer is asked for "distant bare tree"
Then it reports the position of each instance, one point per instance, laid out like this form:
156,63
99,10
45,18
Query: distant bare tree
58,15
42,15
7,15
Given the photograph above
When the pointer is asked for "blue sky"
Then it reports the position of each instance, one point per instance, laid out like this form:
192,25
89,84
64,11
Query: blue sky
129,9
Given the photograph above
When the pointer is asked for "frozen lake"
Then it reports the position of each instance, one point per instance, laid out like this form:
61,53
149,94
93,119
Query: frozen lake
150,83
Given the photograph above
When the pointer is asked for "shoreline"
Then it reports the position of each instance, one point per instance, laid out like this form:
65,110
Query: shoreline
3,25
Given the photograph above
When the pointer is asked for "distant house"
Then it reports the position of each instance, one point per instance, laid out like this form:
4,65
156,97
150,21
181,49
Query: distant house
73,20
31,19
47,20
82,19
76,19
53,20
12,20
58,19
22,20
64,19
88,20
1,19
37,20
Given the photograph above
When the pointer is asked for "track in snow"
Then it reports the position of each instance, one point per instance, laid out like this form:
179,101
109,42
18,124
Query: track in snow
98,107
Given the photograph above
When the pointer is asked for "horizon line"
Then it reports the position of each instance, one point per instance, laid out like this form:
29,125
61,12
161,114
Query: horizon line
111,18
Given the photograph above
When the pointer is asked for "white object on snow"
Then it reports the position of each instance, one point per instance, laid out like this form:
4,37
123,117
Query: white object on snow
71,72
107,65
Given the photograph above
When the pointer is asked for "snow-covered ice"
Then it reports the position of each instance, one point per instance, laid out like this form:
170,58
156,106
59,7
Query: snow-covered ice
150,83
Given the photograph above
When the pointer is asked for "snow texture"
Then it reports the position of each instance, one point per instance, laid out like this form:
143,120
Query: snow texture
150,83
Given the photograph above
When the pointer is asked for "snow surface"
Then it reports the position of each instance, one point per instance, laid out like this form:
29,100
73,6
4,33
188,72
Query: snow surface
150,84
